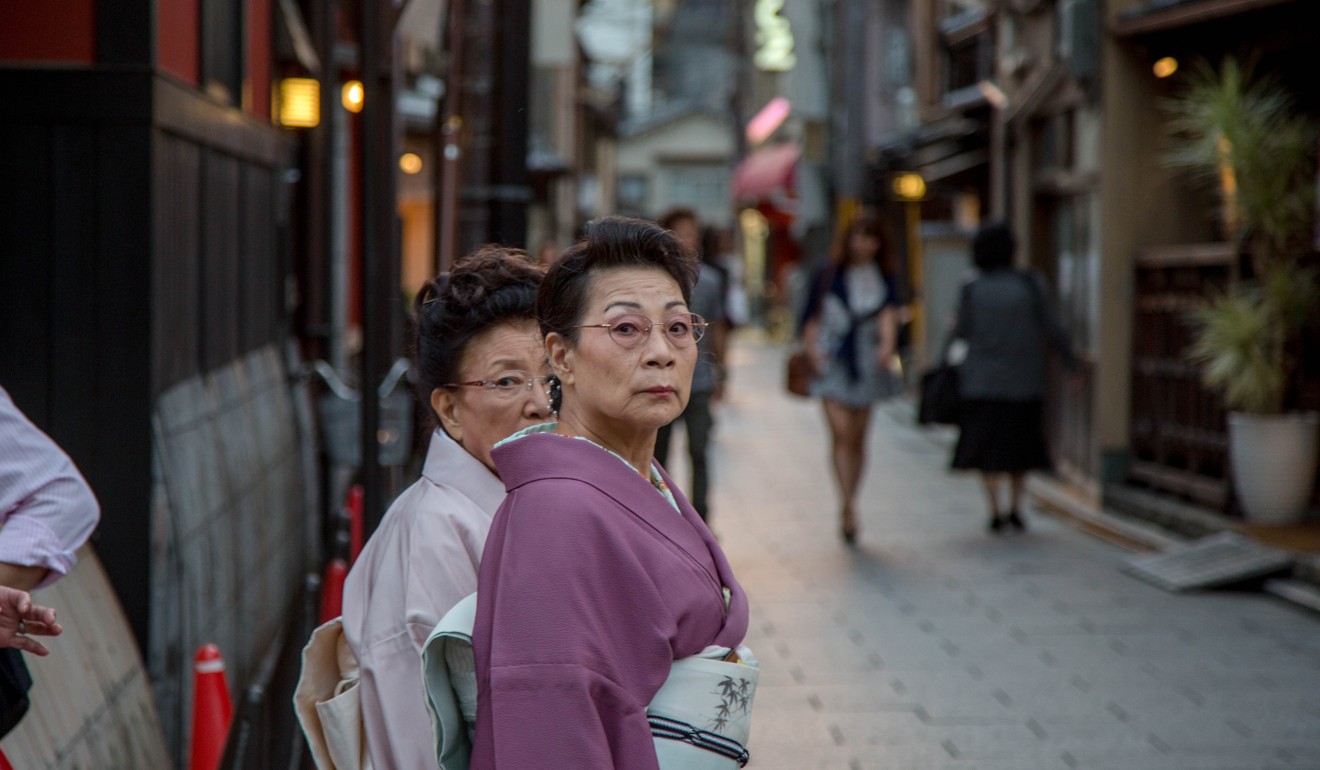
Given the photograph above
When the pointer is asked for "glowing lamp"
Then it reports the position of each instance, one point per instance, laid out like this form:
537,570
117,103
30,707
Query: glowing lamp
909,186
353,95
1165,67
410,163
300,102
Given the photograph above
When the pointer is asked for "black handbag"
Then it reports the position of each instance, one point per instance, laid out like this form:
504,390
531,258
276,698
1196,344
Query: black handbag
941,401
15,681
941,391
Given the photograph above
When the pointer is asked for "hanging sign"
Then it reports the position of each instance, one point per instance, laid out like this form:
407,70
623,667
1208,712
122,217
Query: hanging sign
774,37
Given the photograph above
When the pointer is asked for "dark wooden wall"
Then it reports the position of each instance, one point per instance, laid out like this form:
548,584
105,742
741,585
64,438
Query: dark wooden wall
140,230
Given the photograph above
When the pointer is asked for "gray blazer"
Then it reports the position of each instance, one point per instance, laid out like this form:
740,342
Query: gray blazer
1006,319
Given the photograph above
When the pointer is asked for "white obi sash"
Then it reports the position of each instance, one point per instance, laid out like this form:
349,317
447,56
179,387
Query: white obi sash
700,718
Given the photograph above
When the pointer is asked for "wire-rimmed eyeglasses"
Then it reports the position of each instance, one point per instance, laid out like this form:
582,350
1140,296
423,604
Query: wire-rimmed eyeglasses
505,384
631,330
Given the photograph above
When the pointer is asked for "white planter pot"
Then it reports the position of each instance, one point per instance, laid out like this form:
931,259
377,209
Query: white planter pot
1273,459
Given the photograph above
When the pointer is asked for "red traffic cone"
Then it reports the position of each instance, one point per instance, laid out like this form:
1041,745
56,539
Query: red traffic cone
212,709
332,589
353,505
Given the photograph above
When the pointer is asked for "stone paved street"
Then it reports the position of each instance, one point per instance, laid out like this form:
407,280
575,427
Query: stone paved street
933,645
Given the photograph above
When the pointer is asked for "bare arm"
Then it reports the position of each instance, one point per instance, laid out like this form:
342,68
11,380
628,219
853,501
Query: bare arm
21,577
888,321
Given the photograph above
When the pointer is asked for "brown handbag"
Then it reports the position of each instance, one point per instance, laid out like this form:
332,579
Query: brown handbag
799,373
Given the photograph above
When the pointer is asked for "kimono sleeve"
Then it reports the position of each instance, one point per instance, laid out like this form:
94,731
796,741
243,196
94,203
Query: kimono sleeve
572,637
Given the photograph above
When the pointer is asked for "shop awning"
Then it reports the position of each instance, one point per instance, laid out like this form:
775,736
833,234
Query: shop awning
766,171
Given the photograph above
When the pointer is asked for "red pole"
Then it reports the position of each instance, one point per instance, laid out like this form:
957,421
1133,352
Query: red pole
354,507
332,590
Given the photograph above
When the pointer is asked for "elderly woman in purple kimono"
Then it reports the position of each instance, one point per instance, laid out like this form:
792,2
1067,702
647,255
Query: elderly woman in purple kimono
481,369
598,574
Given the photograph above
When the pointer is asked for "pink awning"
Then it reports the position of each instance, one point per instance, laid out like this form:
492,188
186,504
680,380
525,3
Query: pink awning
766,171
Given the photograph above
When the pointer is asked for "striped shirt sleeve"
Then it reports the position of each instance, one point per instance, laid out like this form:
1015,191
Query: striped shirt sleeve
46,508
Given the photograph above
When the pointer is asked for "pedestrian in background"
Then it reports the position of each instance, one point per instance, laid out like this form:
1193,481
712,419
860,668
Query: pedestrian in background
481,368
47,512
1007,323
718,250
850,330
708,301
598,575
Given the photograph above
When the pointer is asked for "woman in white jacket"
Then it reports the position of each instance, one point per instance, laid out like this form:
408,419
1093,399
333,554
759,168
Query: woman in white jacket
480,365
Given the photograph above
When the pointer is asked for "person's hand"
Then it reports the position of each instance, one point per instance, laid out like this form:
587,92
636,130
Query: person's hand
885,357
20,620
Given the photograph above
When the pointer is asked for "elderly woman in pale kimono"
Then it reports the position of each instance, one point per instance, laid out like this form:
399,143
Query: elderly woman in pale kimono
598,574
481,367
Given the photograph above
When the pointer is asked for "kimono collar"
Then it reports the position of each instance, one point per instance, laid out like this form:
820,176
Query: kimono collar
656,478
535,456
541,456
450,465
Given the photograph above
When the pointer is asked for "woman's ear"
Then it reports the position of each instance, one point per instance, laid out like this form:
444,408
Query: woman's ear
445,403
560,356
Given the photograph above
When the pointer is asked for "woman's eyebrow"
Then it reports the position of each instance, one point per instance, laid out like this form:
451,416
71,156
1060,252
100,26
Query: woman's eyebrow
625,303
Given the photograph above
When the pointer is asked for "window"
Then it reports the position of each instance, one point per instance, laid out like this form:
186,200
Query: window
703,187
632,192
222,49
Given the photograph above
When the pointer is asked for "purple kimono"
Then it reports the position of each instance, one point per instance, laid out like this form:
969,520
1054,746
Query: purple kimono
591,585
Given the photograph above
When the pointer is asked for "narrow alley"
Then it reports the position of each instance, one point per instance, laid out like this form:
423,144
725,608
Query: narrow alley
932,644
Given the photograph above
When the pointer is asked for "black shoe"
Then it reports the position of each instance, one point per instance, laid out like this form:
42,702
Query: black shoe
849,533
1016,521
996,524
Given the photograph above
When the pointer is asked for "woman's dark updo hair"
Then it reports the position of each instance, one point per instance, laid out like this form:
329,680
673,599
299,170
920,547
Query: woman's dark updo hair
608,242
490,285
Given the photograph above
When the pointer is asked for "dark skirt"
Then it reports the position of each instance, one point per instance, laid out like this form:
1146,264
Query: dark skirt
1002,437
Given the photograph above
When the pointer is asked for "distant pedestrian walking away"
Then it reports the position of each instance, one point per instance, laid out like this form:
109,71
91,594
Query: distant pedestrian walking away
708,301
1007,321
850,329
598,576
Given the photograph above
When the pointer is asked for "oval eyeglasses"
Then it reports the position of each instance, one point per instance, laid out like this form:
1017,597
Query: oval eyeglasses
505,384
631,330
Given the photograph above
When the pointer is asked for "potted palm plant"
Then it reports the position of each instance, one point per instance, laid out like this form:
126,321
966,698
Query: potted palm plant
1243,134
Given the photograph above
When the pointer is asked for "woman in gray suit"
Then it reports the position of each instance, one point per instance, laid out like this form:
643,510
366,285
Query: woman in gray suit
1007,322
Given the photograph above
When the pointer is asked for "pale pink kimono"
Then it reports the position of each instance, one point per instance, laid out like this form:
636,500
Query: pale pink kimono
418,564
